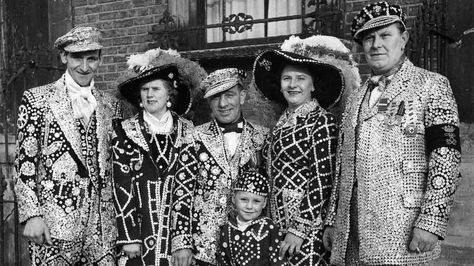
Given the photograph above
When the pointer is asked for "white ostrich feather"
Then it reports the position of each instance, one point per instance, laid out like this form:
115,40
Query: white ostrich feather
330,42
288,44
294,43
144,60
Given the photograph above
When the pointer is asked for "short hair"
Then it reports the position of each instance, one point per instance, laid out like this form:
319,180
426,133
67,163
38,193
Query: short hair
172,91
400,27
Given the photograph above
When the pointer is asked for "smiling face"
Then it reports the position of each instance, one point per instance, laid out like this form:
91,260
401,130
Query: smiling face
226,106
296,85
154,95
248,205
82,65
384,48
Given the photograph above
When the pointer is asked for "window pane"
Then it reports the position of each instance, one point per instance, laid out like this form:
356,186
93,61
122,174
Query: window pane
278,8
217,10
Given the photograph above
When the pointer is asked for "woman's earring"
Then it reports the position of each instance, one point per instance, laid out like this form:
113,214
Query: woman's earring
141,105
168,104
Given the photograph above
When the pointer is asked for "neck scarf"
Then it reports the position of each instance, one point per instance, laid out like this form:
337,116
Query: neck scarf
162,125
82,101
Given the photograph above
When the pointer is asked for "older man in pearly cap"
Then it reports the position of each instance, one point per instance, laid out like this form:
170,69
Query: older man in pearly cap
399,154
208,167
63,181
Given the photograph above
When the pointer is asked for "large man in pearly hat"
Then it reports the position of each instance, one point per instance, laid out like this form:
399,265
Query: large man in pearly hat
399,154
63,162
208,167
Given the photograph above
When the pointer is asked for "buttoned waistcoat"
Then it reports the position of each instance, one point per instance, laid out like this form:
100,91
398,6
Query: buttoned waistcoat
203,186
404,156
55,172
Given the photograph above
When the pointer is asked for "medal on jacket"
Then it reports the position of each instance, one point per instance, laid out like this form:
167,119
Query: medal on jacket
382,108
411,128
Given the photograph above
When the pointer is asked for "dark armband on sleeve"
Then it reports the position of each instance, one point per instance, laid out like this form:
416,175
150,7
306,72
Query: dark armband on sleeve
443,135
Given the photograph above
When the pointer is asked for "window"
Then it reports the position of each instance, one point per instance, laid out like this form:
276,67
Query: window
203,24
227,11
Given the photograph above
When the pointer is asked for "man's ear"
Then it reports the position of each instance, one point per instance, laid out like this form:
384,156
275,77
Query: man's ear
63,55
100,57
233,197
405,37
243,95
264,203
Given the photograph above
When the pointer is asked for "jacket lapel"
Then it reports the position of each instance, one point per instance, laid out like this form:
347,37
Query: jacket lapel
134,132
356,108
60,104
399,82
104,115
214,143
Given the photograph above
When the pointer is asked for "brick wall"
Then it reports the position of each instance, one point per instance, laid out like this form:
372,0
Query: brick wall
125,26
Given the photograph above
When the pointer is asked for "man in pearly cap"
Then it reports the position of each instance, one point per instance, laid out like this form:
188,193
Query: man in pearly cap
399,154
208,167
63,181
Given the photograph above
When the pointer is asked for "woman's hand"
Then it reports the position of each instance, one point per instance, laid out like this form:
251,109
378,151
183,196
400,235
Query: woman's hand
132,250
291,244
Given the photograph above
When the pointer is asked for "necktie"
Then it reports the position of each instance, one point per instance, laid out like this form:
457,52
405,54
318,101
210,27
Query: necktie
377,84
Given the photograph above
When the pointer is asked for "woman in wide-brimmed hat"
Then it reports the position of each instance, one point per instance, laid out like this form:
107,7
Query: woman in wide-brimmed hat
310,76
162,86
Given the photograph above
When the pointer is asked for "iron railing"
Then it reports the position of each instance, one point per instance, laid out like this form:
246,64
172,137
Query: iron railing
325,17
428,48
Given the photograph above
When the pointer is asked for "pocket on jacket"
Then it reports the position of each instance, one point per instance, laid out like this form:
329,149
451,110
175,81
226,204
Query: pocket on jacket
413,199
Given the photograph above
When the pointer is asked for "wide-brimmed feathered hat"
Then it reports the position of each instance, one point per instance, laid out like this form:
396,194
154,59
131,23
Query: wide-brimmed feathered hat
184,75
333,70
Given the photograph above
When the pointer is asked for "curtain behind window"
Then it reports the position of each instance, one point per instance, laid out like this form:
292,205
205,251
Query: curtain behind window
217,10
179,10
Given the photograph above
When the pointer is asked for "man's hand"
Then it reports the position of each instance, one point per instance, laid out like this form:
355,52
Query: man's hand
182,257
328,237
422,240
37,231
291,244
132,250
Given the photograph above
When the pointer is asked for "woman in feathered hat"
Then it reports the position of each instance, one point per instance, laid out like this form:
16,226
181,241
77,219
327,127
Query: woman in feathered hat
162,85
310,76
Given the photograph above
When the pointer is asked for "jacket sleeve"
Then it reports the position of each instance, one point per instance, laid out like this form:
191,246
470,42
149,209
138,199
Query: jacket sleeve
183,197
126,160
223,254
444,156
316,196
28,150
336,183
